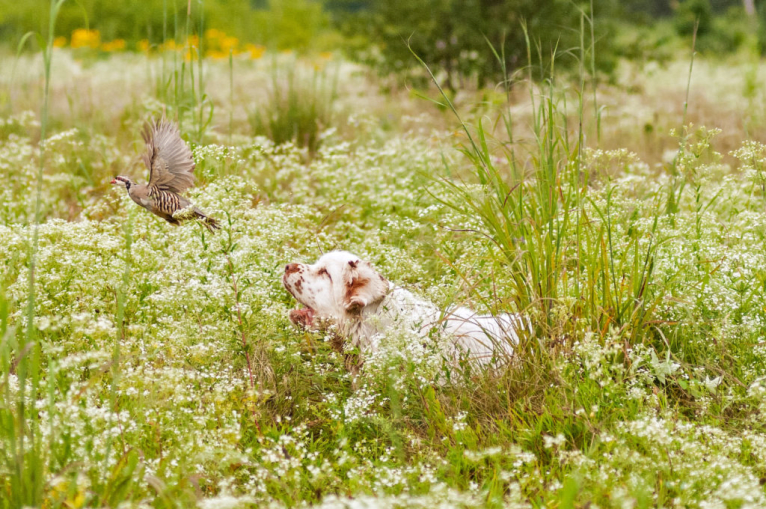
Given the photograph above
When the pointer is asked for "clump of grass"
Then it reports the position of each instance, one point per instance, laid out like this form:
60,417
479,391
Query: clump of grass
537,206
298,106
27,455
175,85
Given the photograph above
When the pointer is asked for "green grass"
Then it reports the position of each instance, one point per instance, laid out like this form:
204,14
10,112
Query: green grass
167,373
298,104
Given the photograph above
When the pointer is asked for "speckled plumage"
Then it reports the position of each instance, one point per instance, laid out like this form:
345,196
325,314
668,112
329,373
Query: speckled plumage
171,171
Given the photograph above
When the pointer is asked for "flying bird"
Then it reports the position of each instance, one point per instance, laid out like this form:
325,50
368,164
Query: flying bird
171,172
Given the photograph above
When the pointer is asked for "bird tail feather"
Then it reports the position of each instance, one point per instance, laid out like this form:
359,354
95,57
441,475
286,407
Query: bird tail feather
211,224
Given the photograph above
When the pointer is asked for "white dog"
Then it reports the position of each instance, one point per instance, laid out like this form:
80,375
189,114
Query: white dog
344,290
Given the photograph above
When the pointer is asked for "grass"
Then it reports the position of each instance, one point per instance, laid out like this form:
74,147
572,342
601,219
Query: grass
170,375
298,106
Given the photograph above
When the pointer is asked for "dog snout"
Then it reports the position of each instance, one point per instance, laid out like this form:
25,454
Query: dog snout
291,267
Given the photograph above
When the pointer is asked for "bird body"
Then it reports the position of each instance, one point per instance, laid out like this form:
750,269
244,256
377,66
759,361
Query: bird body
171,172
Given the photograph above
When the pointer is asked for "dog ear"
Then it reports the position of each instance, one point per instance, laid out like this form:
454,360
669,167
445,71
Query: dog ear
364,286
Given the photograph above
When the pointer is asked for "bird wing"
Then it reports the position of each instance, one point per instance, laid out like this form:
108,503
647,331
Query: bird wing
168,157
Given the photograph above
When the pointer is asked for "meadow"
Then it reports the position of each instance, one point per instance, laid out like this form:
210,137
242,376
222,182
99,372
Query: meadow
146,365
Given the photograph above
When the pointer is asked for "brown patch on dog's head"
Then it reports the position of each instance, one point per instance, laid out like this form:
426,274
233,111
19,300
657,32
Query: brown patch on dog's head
364,286
353,291
292,279
292,267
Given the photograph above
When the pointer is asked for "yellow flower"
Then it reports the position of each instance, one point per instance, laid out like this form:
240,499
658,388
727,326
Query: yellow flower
216,54
193,40
228,43
169,45
256,50
115,45
143,45
82,38
60,490
327,55
212,33
59,42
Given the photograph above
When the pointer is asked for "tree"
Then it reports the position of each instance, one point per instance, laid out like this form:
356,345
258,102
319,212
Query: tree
453,35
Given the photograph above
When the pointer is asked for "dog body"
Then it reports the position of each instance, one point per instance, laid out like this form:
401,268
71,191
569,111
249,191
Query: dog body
343,290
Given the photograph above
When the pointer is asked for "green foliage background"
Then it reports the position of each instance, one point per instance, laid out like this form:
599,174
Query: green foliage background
452,35
284,24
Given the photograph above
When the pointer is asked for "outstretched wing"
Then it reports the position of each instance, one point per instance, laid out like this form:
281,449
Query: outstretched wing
168,157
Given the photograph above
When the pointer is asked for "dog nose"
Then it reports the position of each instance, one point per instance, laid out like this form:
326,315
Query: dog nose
291,267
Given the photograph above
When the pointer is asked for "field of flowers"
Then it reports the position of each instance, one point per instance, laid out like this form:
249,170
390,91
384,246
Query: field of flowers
146,365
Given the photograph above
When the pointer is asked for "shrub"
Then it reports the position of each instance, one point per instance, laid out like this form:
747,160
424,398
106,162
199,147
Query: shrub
298,105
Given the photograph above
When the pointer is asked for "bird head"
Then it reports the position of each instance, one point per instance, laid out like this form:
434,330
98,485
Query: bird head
122,181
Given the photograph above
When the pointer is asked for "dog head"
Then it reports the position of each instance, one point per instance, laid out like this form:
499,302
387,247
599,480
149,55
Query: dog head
338,286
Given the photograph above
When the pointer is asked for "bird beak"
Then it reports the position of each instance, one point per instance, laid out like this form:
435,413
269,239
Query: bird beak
114,181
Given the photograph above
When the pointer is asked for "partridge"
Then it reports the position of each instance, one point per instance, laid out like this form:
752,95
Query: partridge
171,172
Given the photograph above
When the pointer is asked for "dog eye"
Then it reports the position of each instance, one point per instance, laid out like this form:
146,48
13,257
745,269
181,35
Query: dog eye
323,272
